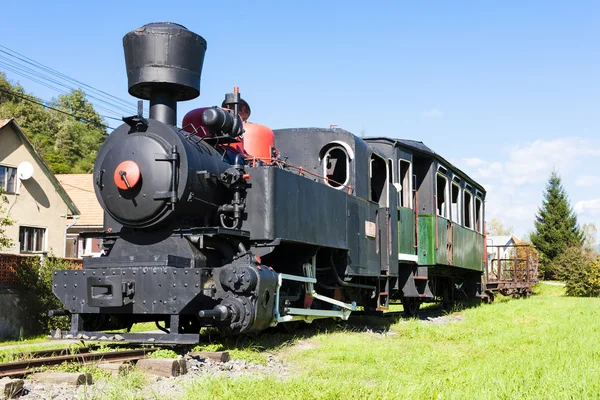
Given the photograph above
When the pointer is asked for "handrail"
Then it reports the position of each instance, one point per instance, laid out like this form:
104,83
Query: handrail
300,169
416,245
436,221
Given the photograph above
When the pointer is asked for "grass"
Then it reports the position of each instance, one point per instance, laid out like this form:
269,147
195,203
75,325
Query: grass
547,346
29,340
13,353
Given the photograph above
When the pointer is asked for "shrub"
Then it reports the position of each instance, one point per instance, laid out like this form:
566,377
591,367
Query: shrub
580,270
35,280
569,262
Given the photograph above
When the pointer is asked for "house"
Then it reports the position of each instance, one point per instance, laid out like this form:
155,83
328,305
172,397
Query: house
40,208
80,188
499,246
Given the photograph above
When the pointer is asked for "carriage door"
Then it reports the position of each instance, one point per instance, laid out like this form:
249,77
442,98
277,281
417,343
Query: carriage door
379,194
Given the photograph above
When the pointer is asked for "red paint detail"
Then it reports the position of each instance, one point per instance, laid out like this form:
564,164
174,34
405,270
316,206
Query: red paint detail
258,140
192,123
270,268
308,300
246,176
236,89
109,230
257,259
127,172
258,267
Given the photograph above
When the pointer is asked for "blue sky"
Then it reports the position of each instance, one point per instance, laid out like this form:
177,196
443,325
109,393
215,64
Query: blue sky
507,90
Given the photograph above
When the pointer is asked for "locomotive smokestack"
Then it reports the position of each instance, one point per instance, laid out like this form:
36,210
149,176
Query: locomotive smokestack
164,63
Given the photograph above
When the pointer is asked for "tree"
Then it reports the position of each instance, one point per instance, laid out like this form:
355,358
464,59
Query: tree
590,238
496,228
555,224
68,143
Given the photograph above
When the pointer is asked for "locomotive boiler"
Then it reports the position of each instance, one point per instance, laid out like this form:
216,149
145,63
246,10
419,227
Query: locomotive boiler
227,224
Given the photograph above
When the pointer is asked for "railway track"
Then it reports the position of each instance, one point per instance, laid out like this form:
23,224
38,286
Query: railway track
41,359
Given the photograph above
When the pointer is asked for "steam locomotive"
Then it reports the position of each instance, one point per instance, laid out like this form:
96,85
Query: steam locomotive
229,224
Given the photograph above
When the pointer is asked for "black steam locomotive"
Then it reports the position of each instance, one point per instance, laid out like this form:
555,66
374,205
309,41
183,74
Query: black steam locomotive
205,228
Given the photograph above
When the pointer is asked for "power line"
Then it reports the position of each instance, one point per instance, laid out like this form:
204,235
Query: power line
35,76
35,71
36,64
26,98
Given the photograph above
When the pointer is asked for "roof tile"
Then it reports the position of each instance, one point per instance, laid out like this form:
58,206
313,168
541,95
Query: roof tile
80,188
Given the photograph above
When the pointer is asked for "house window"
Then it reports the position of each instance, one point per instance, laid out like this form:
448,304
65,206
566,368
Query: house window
442,197
31,239
405,181
478,214
467,211
8,179
337,167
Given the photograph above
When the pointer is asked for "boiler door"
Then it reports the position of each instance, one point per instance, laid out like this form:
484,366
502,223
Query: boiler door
136,177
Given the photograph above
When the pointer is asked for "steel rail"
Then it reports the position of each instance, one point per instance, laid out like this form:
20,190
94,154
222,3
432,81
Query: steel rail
24,367
51,352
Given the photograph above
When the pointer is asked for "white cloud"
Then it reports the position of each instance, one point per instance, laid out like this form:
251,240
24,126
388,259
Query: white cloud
588,207
473,162
587,180
533,162
433,113
515,177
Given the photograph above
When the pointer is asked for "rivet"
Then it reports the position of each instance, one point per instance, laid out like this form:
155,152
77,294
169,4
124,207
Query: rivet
185,285
75,285
144,302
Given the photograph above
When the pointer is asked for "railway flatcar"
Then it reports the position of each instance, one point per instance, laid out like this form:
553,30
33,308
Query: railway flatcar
231,225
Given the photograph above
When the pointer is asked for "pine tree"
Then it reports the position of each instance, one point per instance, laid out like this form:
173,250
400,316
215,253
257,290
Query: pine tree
556,225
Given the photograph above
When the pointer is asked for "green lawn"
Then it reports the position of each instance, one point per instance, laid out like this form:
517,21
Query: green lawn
544,347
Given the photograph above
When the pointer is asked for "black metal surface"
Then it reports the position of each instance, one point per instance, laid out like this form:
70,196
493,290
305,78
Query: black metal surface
175,176
164,57
157,290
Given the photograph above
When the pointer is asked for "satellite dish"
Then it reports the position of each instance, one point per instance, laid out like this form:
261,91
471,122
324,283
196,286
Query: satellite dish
25,170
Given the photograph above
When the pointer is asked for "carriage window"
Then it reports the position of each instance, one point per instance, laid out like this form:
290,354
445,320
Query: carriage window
336,166
441,191
478,214
468,200
455,205
405,193
378,179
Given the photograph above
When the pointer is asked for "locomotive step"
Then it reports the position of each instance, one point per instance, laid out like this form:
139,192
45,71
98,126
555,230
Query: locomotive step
420,278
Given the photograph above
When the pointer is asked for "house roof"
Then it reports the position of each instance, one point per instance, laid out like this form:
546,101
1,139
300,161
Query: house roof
80,188
40,161
503,240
